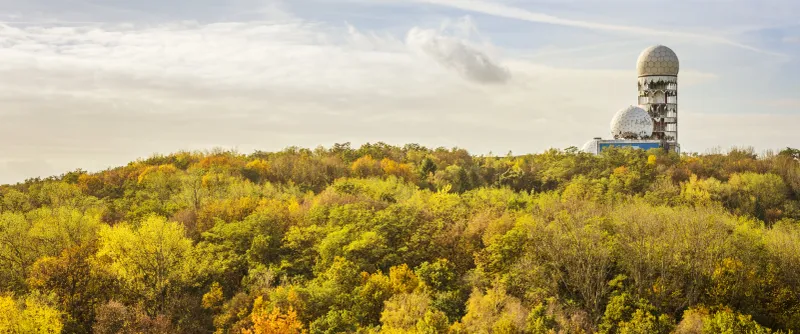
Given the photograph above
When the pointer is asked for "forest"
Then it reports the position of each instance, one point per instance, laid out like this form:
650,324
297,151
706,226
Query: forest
390,239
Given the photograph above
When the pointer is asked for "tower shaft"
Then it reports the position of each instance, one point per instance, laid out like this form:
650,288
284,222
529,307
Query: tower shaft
658,95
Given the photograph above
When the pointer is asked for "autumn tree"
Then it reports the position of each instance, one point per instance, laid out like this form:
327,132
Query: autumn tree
32,314
275,322
152,260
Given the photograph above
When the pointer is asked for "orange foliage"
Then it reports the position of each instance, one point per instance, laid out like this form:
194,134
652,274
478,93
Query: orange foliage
391,167
275,322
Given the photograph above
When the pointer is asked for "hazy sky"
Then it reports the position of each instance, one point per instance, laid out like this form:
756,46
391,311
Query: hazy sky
96,83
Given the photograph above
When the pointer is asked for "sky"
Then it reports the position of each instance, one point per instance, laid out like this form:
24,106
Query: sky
93,84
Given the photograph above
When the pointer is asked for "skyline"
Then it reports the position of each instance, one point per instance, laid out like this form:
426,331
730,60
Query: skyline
82,81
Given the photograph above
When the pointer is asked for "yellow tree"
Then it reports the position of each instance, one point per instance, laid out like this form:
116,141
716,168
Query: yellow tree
400,170
257,170
150,260
365,167
33,316
275,322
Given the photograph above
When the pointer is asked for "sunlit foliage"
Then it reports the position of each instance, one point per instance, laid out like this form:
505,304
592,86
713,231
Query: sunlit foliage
385,239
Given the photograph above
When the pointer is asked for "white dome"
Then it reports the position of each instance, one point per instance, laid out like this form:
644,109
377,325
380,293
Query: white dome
658,60
632,123
591,146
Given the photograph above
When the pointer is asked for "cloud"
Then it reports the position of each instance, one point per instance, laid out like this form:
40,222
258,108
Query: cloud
455,53
502,10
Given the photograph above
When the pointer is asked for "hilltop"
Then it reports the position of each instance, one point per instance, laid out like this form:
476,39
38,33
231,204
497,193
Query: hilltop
407,240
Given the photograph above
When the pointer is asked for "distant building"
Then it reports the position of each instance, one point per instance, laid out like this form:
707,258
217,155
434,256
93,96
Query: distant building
654,122
597,146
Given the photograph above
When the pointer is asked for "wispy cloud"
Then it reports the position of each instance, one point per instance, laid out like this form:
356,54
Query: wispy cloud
502,10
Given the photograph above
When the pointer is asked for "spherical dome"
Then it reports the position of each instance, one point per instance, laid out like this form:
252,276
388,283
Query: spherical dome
632,123
591,146
658,60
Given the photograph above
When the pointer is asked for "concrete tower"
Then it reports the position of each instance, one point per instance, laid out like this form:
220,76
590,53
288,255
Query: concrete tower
658,68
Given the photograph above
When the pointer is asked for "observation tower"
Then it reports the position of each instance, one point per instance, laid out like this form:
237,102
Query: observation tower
658,68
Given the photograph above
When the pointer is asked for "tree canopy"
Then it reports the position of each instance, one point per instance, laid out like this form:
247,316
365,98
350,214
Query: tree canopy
387,239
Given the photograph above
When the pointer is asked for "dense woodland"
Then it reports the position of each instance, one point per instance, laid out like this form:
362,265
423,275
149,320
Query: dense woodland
384,239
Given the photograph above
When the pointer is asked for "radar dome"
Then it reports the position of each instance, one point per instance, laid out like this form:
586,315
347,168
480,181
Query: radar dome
658,60
632,123
591,146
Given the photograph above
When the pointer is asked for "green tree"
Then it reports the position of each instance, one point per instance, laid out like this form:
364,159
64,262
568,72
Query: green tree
624,314
728,322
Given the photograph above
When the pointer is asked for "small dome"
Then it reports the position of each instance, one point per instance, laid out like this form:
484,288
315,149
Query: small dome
658,60
632,123
591,146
